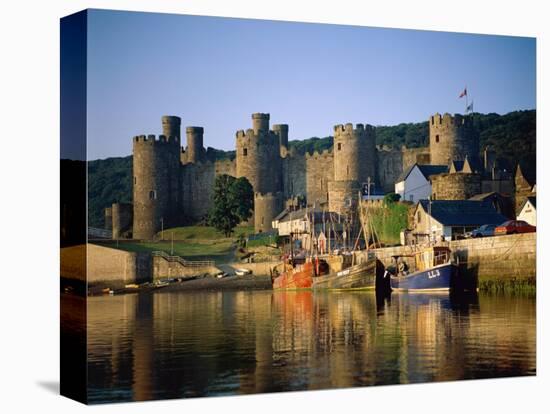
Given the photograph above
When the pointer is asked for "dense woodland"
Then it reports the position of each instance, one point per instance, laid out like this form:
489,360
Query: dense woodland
513,136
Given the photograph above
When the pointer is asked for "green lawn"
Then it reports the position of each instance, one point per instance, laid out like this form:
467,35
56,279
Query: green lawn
202,233
219,251
192,243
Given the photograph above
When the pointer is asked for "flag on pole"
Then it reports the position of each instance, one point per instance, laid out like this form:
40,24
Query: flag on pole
470,108
463,93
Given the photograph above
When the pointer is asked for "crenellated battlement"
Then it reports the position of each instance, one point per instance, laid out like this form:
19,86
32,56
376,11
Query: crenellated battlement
152,139
447,120
275,169
249,136
194,130
349,129
323,154
451,138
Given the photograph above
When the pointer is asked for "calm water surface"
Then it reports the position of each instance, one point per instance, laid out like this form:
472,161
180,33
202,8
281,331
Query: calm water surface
191,344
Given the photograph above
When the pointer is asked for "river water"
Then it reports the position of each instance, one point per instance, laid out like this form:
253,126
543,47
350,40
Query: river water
191,344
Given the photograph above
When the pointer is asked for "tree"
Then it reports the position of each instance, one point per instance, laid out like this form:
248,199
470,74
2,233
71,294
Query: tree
391,198
233,203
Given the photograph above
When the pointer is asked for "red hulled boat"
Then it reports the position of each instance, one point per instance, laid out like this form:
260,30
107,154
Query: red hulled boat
300,276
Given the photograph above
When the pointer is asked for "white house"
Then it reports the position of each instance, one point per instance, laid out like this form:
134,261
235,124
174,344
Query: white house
450,219
414,184
301,223
528,211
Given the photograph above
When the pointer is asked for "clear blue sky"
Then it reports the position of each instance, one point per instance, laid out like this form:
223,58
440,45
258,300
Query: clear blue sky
215,72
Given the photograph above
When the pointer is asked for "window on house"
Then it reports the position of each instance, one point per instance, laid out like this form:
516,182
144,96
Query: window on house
411,197
262,221
339,146
152,195
437,138
245,152
135,180
418,217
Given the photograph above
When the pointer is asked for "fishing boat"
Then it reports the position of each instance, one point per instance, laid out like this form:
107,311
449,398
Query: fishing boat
357,276
369,272
432,270
299,276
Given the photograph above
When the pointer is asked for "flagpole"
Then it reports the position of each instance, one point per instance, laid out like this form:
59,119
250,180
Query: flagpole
466,90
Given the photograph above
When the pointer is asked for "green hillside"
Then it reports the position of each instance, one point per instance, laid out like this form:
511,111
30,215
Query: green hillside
513,136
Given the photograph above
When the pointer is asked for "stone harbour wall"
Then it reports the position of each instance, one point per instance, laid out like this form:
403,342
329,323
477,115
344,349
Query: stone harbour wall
489,259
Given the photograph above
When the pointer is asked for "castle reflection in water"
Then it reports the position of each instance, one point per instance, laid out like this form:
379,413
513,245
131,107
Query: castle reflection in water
173,345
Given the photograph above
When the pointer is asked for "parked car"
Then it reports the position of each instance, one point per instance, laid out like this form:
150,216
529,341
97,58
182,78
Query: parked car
515,226
483,231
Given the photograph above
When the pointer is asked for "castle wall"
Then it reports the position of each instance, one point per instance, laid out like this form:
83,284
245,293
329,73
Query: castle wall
198,186
319,171
294,176
455,186
343,195
413,156
390,166
227,167
198,189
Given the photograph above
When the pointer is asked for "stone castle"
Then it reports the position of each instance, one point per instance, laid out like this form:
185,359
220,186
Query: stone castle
174,185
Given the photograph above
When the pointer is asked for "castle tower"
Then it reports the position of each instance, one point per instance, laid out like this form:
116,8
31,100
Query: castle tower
108,218
260,122
266,207
354,153
195,149
156,189
282,131
258,156
171,126
455,185
122,219
354,163
452,138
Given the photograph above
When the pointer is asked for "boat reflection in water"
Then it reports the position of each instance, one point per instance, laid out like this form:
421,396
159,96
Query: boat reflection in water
173,345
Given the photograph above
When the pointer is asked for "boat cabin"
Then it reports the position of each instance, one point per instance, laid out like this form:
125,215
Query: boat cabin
422,260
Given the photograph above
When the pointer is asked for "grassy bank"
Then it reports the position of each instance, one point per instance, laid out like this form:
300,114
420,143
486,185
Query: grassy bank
202,233
389,220
191,243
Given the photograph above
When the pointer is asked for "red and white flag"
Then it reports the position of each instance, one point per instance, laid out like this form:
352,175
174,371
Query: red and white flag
463,93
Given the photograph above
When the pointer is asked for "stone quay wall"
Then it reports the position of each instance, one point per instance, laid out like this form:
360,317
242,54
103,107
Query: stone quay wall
487,260
104,265
163,269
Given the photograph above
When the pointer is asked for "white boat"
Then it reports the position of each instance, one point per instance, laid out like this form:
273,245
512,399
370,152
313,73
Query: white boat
242,272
